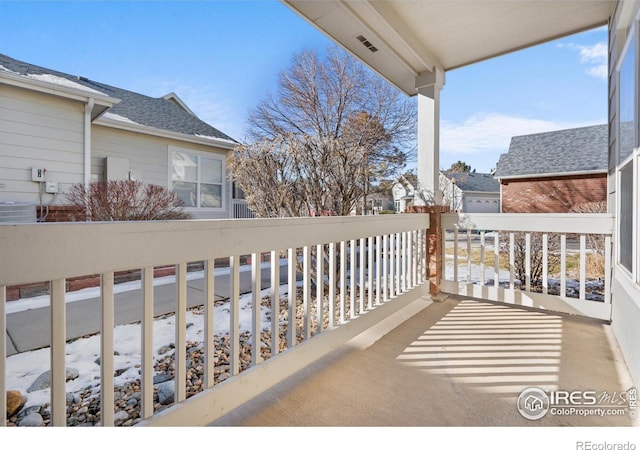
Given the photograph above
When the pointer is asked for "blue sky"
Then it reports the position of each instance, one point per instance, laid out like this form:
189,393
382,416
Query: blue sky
222,57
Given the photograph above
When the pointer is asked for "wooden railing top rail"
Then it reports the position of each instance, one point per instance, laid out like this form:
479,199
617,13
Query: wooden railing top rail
37,252
546,223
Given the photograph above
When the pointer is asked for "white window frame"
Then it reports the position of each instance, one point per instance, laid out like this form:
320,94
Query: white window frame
633,158
200,153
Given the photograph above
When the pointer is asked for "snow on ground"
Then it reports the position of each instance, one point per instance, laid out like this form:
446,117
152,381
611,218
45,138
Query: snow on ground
22,369
572,285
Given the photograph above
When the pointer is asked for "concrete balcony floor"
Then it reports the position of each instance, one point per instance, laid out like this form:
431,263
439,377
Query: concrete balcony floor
460,362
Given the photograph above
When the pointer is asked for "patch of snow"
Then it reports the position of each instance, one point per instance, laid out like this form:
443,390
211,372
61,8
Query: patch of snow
22,369
213,138
8,70
119,118
53,79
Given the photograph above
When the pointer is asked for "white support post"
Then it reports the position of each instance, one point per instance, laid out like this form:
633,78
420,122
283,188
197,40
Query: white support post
209,307
482,249
291,297
545,263
392,266
181,333
527,261
378,271
306,291
385,268
361,274
583,265
234,309
58,366
353,272
256,288
398,280
343,281
370,272
106,350
332,284
275,303
413,248
319,286
512,259
429,85
563,265
455,254
405,261
146,378
468,256
496,261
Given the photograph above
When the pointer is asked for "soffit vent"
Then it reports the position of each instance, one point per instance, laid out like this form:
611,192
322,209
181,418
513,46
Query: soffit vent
366,43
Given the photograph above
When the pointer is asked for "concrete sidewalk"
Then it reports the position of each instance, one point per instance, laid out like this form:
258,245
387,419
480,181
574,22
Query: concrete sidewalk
30,329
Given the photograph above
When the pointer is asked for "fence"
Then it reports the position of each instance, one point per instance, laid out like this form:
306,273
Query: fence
537,260
339,269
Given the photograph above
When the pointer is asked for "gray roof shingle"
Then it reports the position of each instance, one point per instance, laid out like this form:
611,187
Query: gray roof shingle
474,182
556,152
158,113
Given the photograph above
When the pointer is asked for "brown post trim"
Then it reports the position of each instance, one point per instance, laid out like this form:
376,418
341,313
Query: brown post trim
435,261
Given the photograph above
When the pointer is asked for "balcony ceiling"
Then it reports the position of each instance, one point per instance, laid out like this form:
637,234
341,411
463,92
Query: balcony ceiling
413,37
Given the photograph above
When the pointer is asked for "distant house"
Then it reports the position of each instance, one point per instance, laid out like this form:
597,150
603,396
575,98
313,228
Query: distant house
60,129
470,192
404,191
462,191
555,171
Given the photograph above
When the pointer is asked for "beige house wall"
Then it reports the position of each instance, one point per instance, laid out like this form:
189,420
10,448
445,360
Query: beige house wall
38,130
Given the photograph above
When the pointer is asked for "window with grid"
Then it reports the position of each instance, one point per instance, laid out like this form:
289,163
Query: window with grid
197,179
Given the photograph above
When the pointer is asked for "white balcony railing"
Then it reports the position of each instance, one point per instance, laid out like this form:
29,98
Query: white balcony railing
560,262
241,209
363,262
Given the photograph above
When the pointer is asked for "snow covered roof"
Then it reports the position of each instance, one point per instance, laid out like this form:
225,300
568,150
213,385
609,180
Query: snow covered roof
167,114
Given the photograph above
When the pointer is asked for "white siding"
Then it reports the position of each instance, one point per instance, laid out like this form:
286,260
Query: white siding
148,157
625,317
38,130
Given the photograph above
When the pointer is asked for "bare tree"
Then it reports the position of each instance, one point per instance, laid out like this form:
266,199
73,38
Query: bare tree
317,146
536,261
595,242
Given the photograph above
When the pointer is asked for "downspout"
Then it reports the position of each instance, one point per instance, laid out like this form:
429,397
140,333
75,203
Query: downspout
88,108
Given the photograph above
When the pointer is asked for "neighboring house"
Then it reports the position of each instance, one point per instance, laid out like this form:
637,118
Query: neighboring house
462,191
59,130
470,192
404,191
376,203
552,172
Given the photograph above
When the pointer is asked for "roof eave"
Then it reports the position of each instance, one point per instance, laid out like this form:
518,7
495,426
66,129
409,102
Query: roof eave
137,128
82,95
553,175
